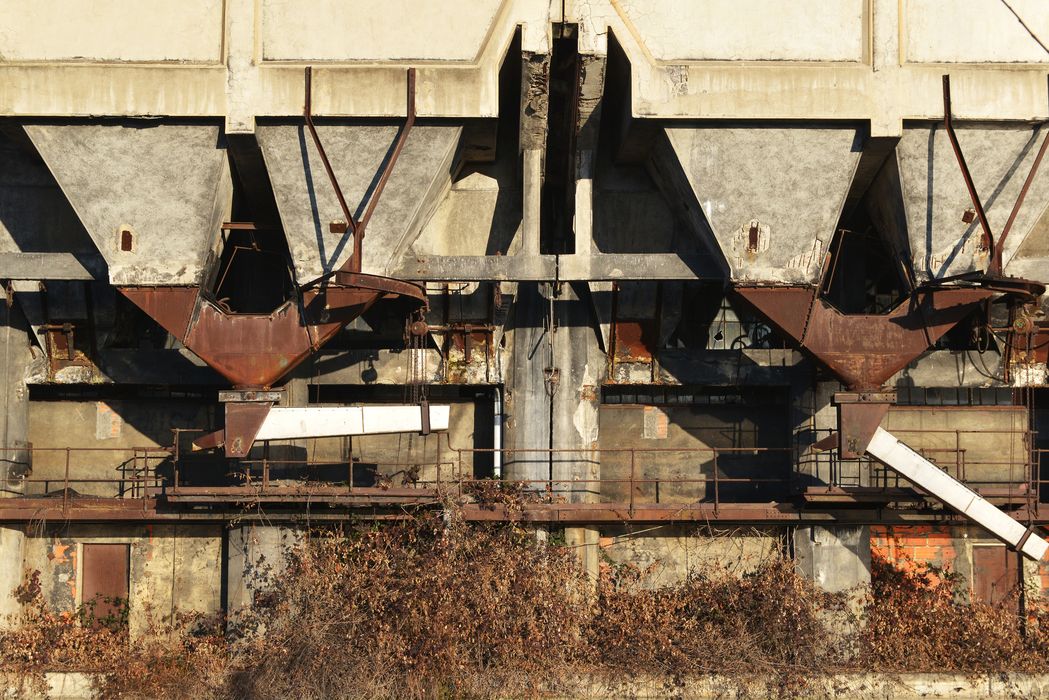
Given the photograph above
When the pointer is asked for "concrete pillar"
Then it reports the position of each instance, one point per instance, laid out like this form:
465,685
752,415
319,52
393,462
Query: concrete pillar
12,555
580,364
15,357
256,556
535,105
15,462
527,401
575,414
837,558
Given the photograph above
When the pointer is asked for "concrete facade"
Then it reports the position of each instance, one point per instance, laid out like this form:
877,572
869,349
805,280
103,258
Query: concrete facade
588,186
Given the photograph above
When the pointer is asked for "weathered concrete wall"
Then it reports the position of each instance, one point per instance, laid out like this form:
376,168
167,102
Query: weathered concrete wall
329,30
169,185
675,448
804,175
986,444
174,567
308,204
951,549
184,32
935,196
111,430
256,555
669,554
751,30
997,38
877,60
836,558
12,553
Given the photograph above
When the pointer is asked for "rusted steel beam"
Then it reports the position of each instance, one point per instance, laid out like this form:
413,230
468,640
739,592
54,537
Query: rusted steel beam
307,111
864,350
256,350
1000,247
357,228
580,513
186,493
26,510
948,124
355,262
859,415
83,508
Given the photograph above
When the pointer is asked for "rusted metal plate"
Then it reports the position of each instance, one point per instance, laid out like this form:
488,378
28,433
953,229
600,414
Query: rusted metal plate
621,512
857,423
995,573
249,350
243,421
386,285
256,350
171,307
635,340
105,584
865,350
787,308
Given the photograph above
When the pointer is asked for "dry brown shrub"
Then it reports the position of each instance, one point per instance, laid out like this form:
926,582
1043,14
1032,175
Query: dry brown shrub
180,659
914,622
433,608
766,624
415,609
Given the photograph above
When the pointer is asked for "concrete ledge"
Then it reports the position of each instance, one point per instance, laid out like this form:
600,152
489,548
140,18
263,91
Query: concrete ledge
57,686
880,686
875,686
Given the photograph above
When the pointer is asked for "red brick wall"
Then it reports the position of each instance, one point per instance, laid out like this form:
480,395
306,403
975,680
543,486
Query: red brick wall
908,545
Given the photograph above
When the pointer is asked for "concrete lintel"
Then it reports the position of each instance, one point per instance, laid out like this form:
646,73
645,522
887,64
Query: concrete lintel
454,268
44,266
650,266
567,268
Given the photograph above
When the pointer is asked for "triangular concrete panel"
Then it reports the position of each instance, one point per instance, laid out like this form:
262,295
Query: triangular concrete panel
936,198
772,196
168,185
358,154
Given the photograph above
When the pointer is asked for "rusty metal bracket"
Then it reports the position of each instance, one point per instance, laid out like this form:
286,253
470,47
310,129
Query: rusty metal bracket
948,123
1019,203
249,395
859,415
424,416
357,227
995,265
308,114
864,350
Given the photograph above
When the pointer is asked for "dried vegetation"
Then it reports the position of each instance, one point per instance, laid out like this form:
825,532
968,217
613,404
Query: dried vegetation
432,608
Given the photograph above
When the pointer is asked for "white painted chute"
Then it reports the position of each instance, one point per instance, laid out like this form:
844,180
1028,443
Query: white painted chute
336,421
926,475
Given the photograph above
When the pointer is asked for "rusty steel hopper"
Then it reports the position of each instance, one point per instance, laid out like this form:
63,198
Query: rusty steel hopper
155,198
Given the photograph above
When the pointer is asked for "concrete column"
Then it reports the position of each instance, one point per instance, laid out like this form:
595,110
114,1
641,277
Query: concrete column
591,91
256,555
584,540
15,464
535,105
526,401
837,557
15,357
297,394
580,365
575,414
12,556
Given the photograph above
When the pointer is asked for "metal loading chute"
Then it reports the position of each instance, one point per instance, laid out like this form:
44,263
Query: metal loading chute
922,473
